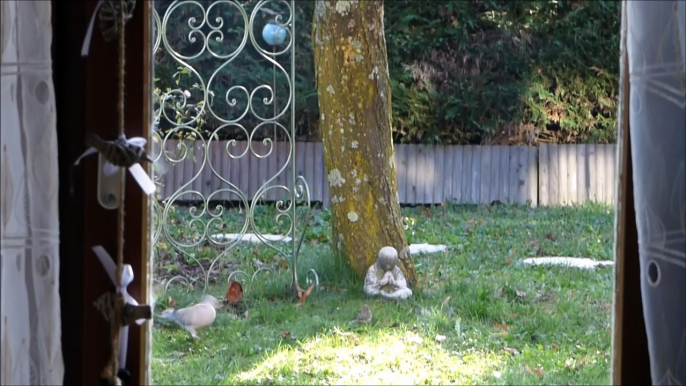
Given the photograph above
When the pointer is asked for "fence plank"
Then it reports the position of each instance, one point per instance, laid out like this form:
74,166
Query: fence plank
459,189
424,176
513,175
476,175
401,171
439,168
554,173
571,172
532,176
308,169
543,174
494,189
522,172
213,165
465,179
253,168
485,173
243,166
448,173
412,154
562,167
317,180
592,173
581,176
504,176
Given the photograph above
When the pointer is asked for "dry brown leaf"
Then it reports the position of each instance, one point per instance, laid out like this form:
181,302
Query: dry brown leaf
234,293
550,236
555,346
302,296
425,212
536,371
500,326
171,302
445,301
285,334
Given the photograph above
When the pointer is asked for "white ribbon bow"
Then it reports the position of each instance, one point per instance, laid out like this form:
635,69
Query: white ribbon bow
89,32
136,169
126,279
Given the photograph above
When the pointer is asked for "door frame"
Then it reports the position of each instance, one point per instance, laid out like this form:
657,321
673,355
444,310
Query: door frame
86,92
86,101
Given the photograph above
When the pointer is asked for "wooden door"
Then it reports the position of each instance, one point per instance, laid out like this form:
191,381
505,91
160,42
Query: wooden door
86,94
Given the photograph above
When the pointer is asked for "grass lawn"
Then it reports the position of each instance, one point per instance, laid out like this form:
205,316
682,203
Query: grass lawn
480,317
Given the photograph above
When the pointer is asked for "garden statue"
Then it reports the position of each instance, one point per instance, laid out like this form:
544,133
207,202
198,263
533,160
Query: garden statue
385,277
194,317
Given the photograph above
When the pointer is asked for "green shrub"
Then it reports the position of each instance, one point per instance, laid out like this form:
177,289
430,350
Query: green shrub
473,71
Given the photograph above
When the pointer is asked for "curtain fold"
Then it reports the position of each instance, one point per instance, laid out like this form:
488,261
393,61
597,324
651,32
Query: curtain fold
30,326
656,46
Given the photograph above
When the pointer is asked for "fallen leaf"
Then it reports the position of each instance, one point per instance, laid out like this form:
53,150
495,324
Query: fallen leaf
501,334
285,334
445,301
302,296
536,371
256,252
555,346
550,236
234,293
440,338
500,326
171,302
425,212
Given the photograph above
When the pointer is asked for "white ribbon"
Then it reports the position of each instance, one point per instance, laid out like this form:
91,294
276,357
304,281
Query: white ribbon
89,32
136,169
126,279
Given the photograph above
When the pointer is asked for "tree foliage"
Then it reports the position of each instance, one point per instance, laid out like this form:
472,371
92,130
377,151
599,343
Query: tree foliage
462,71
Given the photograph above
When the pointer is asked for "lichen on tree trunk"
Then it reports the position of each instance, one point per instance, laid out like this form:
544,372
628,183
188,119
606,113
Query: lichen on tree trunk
351,68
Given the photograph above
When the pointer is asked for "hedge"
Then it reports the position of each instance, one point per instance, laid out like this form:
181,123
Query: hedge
463,72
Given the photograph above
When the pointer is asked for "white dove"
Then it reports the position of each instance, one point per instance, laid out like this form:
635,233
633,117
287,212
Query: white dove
194,317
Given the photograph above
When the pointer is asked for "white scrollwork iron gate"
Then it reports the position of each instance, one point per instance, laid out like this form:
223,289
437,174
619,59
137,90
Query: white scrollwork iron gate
220,69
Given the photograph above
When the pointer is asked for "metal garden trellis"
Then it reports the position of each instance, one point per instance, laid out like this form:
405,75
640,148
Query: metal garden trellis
206,34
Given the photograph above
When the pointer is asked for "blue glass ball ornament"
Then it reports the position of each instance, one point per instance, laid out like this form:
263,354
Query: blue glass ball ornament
273,34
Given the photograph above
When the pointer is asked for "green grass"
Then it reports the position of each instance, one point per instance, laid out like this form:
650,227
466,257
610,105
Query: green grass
504,323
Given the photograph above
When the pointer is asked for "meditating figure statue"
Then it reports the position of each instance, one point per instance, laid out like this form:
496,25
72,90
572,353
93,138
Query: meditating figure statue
385,277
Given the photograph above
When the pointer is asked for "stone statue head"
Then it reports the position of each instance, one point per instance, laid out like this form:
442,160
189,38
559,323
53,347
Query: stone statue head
387,259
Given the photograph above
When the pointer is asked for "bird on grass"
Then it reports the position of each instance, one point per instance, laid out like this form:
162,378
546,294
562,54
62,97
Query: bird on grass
194,317
365,316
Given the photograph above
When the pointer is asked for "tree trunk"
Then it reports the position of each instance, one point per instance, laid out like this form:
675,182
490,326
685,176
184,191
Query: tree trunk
351,67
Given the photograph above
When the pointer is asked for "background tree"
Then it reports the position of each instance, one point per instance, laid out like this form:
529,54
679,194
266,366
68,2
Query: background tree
351,68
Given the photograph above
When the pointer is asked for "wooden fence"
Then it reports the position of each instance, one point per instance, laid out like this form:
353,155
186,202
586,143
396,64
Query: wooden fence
427,174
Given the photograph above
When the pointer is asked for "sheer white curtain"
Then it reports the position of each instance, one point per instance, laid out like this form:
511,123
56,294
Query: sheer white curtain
656,46
30,333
